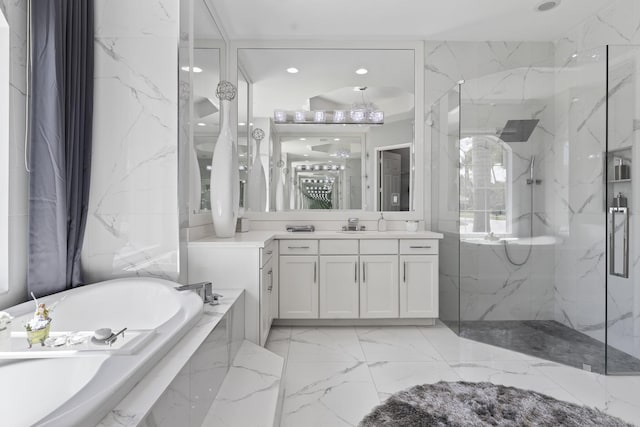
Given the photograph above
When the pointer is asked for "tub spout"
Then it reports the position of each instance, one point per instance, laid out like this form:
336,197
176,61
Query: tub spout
204,289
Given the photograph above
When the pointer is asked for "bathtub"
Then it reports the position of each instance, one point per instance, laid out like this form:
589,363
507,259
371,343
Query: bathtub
517,241
79,390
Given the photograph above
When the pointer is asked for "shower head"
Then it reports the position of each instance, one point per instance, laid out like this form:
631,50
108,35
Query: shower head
518,130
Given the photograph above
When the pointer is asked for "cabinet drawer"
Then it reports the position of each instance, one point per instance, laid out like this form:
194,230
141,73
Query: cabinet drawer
379,247
298,247
338,247
419,246
267,252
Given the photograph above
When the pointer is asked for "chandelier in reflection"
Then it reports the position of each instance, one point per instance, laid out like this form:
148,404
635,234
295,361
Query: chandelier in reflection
360,113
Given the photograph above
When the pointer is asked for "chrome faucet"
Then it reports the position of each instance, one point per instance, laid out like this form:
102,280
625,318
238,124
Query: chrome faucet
352,224
204,289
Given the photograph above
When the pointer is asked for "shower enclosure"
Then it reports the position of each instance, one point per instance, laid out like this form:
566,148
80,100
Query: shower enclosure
533,189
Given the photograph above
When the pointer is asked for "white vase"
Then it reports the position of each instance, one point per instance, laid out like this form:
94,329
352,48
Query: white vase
195,182
257,182
225,179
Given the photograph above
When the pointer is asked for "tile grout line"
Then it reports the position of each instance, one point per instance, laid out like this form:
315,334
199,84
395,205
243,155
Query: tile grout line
366,361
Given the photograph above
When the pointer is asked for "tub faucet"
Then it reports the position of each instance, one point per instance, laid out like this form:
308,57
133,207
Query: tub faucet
204,289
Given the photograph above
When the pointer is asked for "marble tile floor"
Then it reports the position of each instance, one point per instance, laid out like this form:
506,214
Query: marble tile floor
335,375
551,340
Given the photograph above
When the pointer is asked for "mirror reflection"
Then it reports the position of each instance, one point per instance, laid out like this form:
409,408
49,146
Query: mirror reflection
338,128
206,117
200,58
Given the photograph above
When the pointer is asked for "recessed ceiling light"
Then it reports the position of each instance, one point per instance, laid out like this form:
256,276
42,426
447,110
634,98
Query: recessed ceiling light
241,124
306,155
292,70
195,69
362,71
303,139
336,139
202,124
547,5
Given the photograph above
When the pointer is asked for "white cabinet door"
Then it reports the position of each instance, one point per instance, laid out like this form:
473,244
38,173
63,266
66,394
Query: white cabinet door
339,287
379,286
266,287
298,287
419,286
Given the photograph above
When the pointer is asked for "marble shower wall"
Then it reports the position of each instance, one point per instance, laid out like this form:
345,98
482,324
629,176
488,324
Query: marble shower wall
16,13
501,81
581,266
133,224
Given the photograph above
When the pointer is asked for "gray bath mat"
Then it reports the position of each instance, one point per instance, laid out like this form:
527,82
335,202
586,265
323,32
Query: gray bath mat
463,404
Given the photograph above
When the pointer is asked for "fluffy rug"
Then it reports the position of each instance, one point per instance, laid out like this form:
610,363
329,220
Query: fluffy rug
466,404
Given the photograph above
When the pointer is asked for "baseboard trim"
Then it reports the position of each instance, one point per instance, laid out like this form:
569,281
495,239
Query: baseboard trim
354,322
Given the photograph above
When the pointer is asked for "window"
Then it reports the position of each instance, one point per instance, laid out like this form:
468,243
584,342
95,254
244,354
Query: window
485,186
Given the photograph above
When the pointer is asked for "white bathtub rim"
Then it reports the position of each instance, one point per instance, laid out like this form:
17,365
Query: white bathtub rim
118,373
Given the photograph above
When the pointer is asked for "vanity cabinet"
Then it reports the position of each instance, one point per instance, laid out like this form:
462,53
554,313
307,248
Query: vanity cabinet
298,287
339,287
379,286
266,292
241,263
358,279
418,286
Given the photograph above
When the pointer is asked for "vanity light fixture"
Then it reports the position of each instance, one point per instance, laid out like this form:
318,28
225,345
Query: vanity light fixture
299,117
360,113
194,69
292,70
280,116
362,71
339,116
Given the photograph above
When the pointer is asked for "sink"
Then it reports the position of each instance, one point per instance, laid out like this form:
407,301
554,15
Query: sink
352,231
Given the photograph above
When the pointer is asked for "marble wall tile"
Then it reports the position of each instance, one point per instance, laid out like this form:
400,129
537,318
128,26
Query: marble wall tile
133,223
581,266
16,14
141,18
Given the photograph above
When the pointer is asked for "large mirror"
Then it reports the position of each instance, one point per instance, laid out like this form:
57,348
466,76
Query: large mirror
201,58
338,128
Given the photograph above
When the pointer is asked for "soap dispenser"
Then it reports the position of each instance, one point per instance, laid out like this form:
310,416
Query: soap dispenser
382,223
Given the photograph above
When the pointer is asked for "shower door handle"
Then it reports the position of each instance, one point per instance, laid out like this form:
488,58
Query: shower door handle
614,212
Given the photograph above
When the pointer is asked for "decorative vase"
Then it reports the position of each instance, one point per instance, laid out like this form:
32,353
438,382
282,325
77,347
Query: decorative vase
225,178
257,180
195,183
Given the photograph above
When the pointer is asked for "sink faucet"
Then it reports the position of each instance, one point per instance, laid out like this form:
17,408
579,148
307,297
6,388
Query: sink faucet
204,289
352,224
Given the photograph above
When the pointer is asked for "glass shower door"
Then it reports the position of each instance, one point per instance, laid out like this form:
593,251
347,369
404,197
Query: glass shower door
622,192
445,206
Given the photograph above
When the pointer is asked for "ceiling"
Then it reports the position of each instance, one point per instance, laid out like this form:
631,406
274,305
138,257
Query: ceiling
456,20
327,79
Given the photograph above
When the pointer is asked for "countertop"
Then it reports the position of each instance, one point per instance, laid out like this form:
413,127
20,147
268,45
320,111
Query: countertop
260,238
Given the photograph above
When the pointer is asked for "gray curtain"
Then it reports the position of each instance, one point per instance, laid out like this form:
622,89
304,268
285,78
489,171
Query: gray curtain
60,127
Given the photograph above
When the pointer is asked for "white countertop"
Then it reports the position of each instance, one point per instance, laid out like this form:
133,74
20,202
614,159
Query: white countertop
260,238
135,406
